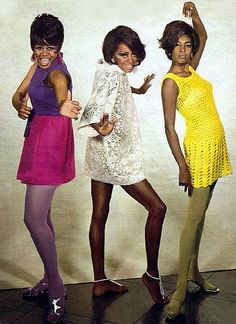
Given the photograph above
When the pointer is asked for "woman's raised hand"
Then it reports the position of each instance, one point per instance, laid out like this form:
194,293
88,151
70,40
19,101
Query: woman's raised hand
189,9
147,84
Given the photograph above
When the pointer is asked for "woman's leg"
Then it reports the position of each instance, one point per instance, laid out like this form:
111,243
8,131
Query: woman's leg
193,273
101,196
50,224
146,195
41,287
37,207
193,223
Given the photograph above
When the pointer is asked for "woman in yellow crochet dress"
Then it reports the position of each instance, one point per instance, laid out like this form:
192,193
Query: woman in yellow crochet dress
205,157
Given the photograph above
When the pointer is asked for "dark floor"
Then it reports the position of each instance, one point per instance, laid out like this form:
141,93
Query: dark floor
136,306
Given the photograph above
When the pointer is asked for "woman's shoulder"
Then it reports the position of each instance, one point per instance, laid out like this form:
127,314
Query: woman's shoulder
59,65
108,69
169,78
170,75
106,74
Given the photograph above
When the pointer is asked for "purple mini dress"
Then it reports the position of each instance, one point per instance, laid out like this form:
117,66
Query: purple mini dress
48,152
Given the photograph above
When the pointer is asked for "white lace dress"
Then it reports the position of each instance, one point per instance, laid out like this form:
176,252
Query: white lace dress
116,158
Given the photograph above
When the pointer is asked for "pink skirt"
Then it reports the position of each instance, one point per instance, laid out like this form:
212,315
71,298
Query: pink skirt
48,152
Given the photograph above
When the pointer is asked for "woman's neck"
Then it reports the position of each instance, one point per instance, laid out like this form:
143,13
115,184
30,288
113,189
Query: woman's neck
180,69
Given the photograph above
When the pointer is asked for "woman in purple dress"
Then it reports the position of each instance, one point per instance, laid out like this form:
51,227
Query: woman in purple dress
47,159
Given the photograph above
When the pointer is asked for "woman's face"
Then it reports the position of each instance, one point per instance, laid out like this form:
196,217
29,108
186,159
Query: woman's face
125,58
182,52
45,55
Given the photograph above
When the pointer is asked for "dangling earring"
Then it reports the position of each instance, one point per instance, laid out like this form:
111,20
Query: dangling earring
113,61
33,58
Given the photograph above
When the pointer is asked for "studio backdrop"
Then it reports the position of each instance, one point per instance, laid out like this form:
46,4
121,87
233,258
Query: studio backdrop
86,22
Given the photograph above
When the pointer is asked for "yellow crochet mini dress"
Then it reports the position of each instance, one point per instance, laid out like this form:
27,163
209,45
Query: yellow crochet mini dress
204,143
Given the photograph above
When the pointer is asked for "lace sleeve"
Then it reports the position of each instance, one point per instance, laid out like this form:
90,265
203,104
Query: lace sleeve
101,101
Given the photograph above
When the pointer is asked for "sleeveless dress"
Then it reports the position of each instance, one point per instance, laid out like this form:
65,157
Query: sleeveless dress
116,158
48,152
204,143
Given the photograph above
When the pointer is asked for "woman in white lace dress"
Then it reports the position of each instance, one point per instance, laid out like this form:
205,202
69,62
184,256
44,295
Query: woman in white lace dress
114,156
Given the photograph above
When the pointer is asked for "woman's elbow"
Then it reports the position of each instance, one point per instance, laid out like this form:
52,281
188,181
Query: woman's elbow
169,129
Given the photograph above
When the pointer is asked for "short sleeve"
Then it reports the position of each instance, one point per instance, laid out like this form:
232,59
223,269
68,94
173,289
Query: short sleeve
102,101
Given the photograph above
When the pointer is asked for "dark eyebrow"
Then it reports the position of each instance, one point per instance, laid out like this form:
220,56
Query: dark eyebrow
188,42
125,52
47,45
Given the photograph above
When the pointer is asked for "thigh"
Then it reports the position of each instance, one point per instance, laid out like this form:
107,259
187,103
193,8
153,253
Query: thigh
145,195
198,203
38,199
101,194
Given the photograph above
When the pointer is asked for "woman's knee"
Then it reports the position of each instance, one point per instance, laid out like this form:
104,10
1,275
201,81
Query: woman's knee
34,228
28,218
158,209
100,213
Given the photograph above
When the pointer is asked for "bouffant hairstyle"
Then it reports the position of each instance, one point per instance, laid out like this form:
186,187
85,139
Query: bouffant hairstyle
127,36
46,29
173,31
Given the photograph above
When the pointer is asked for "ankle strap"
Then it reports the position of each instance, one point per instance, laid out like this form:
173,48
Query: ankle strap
102,280
160,283
155,278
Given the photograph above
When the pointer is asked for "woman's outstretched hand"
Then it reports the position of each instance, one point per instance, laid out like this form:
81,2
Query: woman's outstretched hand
70,108
105,126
